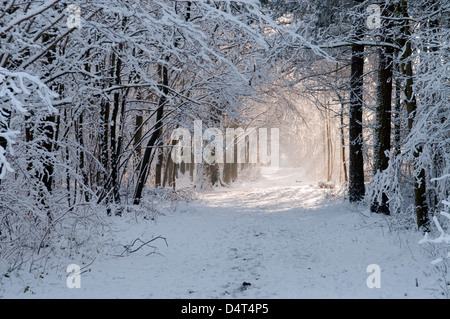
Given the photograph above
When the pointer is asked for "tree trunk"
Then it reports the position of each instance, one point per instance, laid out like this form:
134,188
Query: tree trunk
344,163
47,128
382,133
191,165
397,117
113,182
159,164
356,161
421,206
103,143
146,160
81,156
330,160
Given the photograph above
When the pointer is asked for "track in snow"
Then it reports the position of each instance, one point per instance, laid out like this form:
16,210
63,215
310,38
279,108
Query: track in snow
281,235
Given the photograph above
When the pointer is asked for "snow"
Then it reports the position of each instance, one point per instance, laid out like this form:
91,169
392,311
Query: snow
280,233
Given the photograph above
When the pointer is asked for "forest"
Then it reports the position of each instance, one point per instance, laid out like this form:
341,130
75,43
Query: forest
112,109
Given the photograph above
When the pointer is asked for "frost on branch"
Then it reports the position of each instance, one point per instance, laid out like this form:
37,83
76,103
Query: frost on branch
17,90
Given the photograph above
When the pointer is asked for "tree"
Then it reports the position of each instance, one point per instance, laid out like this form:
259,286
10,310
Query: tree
382,133
422,149
356,186
406,68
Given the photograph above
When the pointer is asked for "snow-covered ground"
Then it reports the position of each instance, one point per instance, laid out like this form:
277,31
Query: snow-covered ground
280,234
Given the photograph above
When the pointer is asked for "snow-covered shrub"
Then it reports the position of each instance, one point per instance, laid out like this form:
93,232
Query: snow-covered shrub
22,96
444,238
439,247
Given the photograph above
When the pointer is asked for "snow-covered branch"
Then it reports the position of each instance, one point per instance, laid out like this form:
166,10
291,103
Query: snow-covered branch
17,89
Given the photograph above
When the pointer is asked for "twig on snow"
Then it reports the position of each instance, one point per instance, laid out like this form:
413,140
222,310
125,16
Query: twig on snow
129,250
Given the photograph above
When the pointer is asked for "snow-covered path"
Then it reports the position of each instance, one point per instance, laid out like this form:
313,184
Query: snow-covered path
280,235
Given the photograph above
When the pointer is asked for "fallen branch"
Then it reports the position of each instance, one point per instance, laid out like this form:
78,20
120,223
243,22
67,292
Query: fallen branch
129,250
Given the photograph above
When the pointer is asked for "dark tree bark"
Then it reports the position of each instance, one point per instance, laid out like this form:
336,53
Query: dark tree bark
147,159
105,110
397,117
113,181
81,156
382,132
356,161
159,164
139,120
421,206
